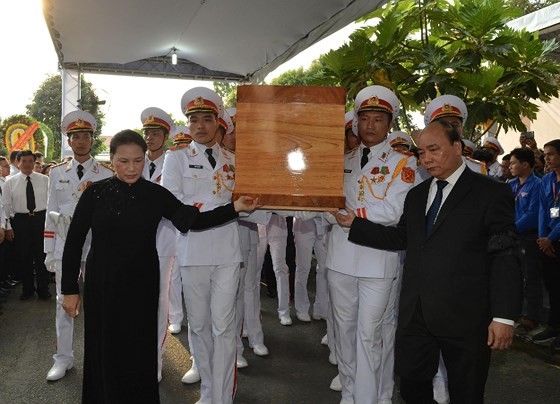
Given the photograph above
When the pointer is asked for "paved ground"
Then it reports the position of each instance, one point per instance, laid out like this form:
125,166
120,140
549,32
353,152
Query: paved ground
296,371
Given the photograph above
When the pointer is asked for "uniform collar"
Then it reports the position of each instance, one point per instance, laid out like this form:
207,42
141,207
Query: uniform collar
86,164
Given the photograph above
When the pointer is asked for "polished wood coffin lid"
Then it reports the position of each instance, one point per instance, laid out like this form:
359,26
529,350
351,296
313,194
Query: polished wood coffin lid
290,146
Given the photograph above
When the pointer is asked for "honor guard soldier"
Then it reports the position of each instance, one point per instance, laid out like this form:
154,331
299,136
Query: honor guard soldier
351,139
67,182
452,109
202,174
248,307
468,148
157,125
400,140
181,137
493,146
376,181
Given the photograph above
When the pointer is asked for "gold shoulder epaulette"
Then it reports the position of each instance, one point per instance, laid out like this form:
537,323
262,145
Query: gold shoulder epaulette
178,146
353,150
107,166
228,150
405,152
474,161
59,164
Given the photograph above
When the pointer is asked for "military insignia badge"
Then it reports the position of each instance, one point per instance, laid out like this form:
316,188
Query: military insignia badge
407,175
373,101
199,101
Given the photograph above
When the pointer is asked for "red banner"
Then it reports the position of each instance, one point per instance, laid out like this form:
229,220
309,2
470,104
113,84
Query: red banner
25,136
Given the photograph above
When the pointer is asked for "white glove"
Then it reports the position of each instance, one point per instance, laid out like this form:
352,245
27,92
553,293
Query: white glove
50,261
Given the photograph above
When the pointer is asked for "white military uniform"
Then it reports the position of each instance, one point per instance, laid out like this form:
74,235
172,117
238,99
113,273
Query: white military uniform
495,170
65,189
248,305
166,244
209,261
311,235
275,235
176,316
361,279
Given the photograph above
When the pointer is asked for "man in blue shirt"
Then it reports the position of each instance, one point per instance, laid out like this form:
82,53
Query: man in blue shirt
526,189
548,241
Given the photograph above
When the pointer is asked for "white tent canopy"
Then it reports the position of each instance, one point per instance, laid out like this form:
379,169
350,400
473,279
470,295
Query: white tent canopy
545,21
240,40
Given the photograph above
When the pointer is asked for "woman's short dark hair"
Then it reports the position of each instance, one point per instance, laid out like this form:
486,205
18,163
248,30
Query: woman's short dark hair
125,137
524,155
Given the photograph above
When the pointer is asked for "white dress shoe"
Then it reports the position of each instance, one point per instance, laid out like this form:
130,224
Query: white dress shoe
332,359
159,376
325,340
303,317
285,320
441,394
260,350
335,384
241,362
244,334
318,317
384,401
192,376
58,371
174,328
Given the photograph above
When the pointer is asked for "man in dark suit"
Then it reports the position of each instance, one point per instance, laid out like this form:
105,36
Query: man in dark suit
461,283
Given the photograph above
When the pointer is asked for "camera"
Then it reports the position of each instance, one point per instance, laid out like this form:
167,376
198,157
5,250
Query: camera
528,135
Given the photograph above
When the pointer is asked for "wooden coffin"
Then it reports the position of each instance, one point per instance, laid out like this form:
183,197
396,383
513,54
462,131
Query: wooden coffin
290,146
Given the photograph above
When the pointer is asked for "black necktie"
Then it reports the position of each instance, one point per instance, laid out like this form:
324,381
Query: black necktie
434,209
30,195
80,171
152,168
365,159
211,158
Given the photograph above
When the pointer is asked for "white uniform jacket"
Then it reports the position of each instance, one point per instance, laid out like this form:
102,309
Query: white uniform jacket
187,173
65,190
166,238
377,193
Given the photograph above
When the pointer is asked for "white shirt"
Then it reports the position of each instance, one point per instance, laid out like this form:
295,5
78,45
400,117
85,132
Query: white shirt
14,199
451,181
13,171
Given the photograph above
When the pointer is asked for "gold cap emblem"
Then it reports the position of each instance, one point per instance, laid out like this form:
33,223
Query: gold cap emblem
373,101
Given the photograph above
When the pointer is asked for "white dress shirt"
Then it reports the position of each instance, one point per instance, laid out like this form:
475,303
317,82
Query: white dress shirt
14,198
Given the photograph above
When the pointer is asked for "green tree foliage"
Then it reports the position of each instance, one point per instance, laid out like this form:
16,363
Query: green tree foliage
301,77
424,48
46,107
228,91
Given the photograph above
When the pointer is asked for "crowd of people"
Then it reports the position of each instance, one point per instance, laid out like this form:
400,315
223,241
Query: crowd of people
401,290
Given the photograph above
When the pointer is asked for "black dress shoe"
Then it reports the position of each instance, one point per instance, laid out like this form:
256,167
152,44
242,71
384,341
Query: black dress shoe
44,295
25,296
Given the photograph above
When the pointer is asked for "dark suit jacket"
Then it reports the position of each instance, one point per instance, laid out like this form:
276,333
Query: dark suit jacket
458,283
